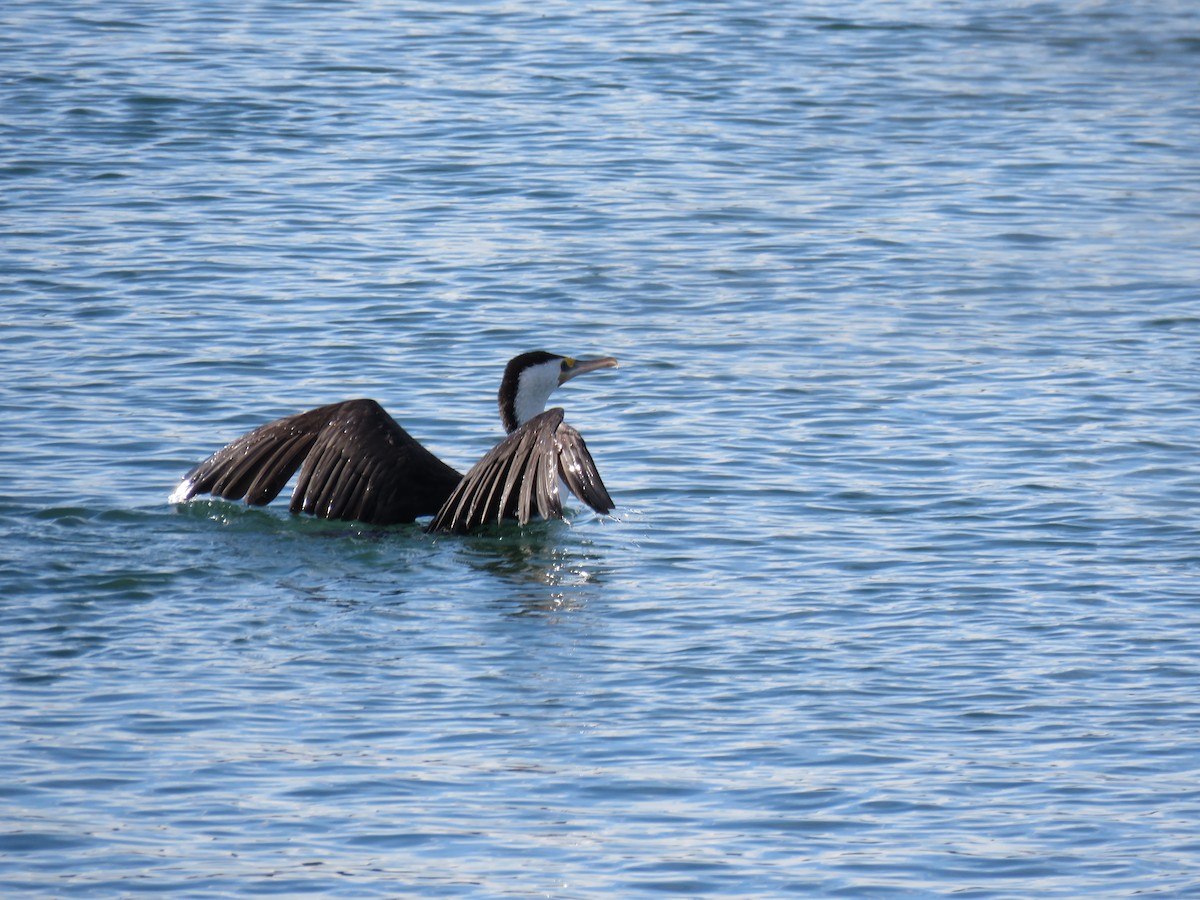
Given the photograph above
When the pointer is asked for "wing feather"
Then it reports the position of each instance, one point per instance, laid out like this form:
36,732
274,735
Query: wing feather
272,476
355,462
527,488
515,479
335,477
520,476
549,498
496,477
578,469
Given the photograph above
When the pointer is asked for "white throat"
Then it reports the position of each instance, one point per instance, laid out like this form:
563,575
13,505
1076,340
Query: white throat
534,388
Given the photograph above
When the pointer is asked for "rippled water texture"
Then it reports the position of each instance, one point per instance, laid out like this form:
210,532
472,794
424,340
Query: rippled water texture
901,597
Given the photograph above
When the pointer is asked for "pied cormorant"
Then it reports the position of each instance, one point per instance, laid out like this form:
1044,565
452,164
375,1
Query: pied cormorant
356,463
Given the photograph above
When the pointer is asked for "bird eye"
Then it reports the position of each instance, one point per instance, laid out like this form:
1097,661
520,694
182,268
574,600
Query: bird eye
567,363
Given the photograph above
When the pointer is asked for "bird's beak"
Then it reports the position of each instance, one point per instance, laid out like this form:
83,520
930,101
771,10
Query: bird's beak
579,366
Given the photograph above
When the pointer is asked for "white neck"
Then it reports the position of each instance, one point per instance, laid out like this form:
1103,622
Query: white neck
534,388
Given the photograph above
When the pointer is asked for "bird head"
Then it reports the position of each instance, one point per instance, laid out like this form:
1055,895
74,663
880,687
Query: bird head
530,379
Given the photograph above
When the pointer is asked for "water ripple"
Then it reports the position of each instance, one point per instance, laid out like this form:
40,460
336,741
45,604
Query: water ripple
900,594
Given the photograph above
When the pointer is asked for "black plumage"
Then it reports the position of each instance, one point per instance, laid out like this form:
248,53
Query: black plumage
356,462
519,478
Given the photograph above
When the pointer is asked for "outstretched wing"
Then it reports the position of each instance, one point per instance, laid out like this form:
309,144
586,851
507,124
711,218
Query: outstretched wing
355,461
519,477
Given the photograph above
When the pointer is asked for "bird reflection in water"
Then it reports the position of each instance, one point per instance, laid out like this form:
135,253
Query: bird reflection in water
542,573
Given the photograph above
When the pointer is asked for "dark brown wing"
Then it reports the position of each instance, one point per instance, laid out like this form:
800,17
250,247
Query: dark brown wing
355,463
518,478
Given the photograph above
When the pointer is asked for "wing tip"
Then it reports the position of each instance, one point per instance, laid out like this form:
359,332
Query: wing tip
183,492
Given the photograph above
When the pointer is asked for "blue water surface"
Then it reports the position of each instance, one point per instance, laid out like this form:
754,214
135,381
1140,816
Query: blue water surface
901,595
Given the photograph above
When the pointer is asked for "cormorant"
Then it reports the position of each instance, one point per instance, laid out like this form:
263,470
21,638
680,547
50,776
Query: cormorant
356,463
